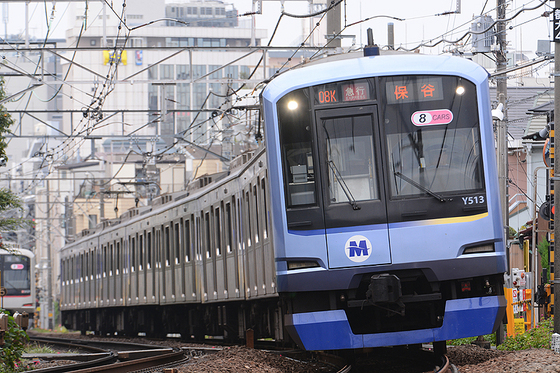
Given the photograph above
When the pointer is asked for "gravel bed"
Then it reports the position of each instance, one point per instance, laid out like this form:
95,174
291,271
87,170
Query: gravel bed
471,359
468,359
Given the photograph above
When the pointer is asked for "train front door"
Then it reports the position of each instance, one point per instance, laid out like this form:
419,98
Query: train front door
354,203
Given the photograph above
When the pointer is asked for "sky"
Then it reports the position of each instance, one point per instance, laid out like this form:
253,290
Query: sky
419,24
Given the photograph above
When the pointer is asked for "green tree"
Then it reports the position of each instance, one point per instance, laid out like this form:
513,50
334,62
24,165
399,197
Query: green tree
10,219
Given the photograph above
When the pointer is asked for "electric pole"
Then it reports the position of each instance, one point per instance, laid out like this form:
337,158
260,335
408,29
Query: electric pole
502,144
556,136
501,90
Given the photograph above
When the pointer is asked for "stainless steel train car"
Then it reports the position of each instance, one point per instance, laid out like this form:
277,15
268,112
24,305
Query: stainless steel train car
17,279
371,218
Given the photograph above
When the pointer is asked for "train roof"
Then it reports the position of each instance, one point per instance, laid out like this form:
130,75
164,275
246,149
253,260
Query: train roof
200,186
352,66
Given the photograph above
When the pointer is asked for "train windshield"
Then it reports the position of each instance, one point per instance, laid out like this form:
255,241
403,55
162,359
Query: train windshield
432,132
15,274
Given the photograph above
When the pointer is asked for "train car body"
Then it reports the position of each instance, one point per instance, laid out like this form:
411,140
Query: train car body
17,269
387,225
371,218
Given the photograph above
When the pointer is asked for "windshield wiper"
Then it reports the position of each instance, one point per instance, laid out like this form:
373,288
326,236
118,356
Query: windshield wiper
343,185
421,187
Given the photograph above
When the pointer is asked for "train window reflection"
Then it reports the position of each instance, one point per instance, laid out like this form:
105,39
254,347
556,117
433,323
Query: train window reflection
297,152
350,154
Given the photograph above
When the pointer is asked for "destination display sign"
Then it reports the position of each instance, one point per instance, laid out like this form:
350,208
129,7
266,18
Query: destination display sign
348,91
406,90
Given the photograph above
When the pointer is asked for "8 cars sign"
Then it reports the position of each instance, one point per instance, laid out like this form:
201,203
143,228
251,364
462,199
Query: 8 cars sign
431,117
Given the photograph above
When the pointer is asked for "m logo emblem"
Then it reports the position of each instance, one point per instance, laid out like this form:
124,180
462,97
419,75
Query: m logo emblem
358,248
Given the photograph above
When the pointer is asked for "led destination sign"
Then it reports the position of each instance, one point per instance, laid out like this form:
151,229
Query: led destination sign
358,90
401,91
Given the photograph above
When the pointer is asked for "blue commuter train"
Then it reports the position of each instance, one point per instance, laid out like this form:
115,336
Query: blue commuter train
371,218
386,219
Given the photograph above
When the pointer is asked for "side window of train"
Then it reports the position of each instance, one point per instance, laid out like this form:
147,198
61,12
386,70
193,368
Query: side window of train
207,235
257,216
294,122
118,257
104,261
111,261
92,264
248,215
229,228
86,267
264,209
141,252
198,237
177,244
187,240
167,248
149,250
217,231
132,253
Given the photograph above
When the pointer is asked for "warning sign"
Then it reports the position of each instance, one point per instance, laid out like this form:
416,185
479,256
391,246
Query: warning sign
519,326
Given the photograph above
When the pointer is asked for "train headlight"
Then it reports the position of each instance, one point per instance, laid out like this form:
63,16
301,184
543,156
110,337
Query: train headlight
302,264
489,248
460,90
292,105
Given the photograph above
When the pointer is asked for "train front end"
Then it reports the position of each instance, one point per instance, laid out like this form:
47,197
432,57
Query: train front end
386,217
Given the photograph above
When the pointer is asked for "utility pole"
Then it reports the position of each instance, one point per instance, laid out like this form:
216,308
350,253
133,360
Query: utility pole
334,26
556,184
49,262
501,90
502,144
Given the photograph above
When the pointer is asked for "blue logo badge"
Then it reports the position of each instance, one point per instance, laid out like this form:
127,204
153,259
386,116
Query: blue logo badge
358,248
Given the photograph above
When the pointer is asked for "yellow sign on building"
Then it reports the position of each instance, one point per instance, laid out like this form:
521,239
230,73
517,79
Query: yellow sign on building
114,57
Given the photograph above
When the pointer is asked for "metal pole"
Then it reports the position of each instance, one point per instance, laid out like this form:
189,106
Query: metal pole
501,140
535,274
49,262
333,25
556,184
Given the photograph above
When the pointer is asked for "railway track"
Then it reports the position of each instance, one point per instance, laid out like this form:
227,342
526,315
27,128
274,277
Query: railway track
115,357
122,356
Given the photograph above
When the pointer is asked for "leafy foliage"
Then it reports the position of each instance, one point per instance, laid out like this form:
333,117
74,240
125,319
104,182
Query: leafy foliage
538,337
543,251
467,341
14,342
5,122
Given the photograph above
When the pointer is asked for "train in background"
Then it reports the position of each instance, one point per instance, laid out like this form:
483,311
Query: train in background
17,280
370,218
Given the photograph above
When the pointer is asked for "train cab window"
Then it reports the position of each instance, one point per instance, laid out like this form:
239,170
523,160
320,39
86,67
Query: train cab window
350,158
432,135
294,121
16,274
